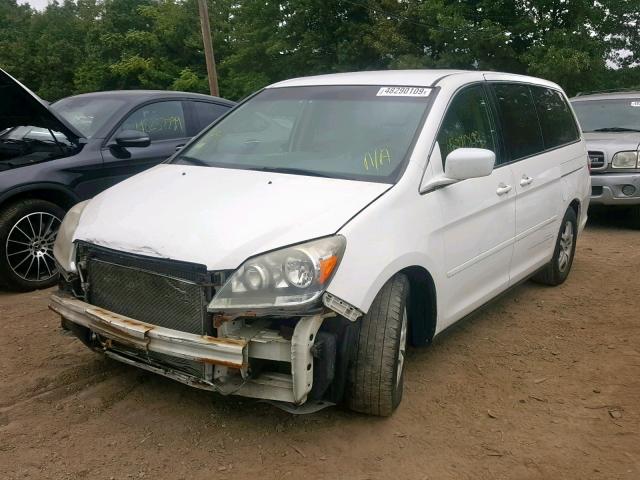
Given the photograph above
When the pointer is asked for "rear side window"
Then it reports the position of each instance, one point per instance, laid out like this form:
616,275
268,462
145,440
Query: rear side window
556,120
206,113
467,123
520,127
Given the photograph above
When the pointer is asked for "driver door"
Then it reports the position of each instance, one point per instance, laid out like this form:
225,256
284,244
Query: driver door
164,123
478,213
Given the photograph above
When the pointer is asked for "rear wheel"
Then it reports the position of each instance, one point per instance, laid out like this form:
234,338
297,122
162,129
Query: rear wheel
557,271
376,374
28,229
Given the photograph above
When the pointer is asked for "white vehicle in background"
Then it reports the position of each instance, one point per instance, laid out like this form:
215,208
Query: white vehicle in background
292,250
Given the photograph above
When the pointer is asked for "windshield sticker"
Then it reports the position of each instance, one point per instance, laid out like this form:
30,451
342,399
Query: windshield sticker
403,92
635,104
376,159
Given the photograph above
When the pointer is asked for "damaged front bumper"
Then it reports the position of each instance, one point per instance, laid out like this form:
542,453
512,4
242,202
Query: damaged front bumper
226,360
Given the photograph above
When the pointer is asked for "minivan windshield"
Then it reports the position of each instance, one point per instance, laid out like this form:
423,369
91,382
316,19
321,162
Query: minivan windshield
342,131
610,115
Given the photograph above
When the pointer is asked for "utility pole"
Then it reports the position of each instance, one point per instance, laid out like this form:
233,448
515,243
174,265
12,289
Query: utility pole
208,48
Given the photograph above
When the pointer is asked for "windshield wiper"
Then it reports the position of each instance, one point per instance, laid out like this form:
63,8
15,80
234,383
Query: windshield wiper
191,160
616,129
294,171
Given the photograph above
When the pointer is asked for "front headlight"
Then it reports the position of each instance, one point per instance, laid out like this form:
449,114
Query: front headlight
64,249
625,160
289,277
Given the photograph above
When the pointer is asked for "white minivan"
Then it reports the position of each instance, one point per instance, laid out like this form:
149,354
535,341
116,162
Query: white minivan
292,250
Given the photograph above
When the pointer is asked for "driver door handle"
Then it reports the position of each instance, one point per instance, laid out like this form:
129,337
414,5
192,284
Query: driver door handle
503,189
525,180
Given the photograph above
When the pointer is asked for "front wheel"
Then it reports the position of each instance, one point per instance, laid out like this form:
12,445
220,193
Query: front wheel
557,271
28,229
376,373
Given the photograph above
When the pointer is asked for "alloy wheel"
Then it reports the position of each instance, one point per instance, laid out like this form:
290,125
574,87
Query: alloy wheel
566,247
29,247
403,346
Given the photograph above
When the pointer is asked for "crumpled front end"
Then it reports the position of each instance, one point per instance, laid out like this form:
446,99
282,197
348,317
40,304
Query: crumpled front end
152,313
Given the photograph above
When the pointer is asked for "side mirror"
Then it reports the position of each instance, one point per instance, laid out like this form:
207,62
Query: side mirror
132,138
464,163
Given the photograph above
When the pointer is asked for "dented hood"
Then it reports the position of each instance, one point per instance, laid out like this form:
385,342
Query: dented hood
19,106
219,217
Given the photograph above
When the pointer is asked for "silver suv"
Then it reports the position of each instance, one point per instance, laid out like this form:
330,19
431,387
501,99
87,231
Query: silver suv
611,125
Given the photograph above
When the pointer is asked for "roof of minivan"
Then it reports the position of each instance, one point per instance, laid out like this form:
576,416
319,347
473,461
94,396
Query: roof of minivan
416,78
607,95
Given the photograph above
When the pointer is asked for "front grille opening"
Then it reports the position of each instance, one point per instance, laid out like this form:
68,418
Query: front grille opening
596,191
157,291
596,159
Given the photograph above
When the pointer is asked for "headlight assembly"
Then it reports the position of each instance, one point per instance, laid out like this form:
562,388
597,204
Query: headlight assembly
288,277
625,160
64,249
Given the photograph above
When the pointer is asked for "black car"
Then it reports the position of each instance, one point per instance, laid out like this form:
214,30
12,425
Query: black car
53,156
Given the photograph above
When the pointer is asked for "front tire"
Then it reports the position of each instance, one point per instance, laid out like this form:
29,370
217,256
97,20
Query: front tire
28,229
376,373
557,270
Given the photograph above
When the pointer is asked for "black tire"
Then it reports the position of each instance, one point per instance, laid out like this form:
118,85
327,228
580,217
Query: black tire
556,271
634,217
375,381
11,241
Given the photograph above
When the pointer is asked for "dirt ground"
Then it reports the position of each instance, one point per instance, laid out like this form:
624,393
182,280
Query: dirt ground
542,384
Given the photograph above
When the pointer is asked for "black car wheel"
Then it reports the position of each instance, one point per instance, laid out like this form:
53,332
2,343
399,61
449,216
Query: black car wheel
376,375
28,229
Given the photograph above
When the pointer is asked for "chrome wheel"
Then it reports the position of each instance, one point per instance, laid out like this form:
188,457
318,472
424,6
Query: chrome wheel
566,247
29,247
402,347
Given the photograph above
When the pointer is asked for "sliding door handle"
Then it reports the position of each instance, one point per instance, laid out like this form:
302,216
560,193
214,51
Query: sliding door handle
503,189
525,180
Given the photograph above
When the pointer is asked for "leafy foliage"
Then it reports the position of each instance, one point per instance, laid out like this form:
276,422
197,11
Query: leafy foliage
88,45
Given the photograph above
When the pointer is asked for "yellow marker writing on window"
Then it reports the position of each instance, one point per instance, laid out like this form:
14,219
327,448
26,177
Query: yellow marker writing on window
377,158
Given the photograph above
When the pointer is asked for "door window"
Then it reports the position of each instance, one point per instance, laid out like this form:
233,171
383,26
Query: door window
467,123
206,113
161,121
556,120
520,127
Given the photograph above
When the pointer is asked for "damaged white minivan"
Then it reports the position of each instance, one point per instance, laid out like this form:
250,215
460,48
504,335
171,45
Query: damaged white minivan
292,251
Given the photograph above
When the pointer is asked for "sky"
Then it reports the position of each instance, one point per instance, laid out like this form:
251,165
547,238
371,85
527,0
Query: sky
37,4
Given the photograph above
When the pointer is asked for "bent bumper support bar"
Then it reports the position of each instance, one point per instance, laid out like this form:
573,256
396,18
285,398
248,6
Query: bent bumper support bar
224,351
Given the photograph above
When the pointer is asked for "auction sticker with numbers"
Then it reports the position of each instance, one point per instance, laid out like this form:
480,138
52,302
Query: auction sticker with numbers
404,92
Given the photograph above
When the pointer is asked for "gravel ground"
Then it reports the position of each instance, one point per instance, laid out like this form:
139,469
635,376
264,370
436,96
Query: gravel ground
542,384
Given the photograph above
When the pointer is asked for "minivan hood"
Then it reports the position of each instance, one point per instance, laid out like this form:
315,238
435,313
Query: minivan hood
19,106
219,217
612,141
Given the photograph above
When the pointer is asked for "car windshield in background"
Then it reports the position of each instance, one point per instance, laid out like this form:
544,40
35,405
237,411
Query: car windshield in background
351,132
87,114
619,115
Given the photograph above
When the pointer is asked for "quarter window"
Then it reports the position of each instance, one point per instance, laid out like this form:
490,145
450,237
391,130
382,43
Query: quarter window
556,120
161,121
467,123
208,112
520,127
